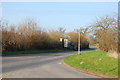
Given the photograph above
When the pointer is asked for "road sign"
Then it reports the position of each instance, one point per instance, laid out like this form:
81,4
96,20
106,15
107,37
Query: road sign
65,42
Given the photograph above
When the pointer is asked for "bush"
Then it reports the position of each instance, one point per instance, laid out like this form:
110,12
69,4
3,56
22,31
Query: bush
84,44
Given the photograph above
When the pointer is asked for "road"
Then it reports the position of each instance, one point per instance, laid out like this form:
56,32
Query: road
42,65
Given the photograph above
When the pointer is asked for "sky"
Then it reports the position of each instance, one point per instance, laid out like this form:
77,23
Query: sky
52,15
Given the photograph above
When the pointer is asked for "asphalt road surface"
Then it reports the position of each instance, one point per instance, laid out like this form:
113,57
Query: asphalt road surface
42,65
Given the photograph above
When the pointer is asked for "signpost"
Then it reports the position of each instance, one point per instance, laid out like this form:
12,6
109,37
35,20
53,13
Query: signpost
78,42
65,42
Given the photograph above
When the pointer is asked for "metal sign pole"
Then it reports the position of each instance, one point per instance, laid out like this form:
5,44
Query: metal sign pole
78,42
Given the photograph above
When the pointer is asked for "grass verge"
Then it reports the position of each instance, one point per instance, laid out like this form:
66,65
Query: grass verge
95,62
6,53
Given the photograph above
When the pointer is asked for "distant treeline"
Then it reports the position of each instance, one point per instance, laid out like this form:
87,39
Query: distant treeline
29,35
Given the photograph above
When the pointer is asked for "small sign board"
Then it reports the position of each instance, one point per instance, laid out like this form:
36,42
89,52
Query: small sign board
60,39
65,42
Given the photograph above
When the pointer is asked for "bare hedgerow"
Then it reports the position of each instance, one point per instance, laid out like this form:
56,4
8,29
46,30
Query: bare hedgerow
29,35
83,40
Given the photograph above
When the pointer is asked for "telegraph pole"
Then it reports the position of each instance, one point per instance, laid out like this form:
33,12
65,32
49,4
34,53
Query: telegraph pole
78,41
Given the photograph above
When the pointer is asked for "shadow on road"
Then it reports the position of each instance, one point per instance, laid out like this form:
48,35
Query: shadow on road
92,48
48,54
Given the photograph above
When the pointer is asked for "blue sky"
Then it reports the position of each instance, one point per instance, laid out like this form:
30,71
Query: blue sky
51,15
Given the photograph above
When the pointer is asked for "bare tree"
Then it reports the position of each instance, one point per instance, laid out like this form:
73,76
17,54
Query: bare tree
106,32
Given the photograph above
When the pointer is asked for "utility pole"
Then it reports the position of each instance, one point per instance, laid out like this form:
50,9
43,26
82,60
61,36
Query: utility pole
78,41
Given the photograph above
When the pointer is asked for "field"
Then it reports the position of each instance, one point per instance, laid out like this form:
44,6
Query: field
94,62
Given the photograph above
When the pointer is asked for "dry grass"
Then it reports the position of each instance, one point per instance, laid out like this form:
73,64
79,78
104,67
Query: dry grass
113,54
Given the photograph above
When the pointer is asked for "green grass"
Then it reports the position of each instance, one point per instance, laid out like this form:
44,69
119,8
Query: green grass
6,53
95,62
